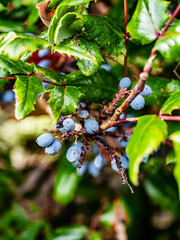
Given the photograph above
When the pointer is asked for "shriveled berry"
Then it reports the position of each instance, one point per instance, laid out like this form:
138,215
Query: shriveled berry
54,148
45,140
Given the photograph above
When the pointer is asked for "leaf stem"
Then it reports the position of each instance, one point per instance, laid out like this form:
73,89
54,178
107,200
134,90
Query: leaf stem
55,84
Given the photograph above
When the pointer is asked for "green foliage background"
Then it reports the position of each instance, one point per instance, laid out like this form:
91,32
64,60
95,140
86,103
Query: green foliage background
42,197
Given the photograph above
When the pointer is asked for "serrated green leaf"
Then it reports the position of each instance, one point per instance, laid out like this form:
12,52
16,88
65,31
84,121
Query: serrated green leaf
104,32
53,76
88,67
145,22
64,101
88,54
14,67
58,14
75,2
172,103
169,44
9,37
70,232
147,136
27,90
19,47
101,86
175,137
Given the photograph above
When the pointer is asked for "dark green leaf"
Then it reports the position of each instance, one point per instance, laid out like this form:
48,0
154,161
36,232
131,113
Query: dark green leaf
169,45
70,232
64,101
53,76
7,26
147,136
31,232
27,90
175,137
101,86
58,14
145,22
75,2
14,67
88,67
172,103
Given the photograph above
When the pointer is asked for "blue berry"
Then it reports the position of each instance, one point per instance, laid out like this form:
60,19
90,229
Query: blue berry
8,97
45,85
93,170
44,63
106,67
45,140
63,130
95,149
43,52
138,103
54,148
124,162
114,166
69,124
73,154
111,129
146,91
84,114
145,159
83,169
123,143
99,161
82,104
125,82
91,126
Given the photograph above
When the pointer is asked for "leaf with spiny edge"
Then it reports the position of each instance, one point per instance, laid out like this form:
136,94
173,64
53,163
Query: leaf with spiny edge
149,133
172,103
64,101
27,89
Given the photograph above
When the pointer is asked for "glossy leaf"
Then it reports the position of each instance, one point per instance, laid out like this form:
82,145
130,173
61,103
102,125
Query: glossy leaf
88,67
75,2
19,46
70,232
64,101
27,90
14,67
145,22
169,45
53,76
175,137
58,14
147,136
172,103
96,88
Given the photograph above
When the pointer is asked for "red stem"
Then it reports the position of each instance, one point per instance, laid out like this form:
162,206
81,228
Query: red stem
55,84
126,37
8,77
170,21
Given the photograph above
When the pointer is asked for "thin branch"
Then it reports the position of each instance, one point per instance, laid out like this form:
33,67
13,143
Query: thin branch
126,37
171,19
141,83
8,77
55,84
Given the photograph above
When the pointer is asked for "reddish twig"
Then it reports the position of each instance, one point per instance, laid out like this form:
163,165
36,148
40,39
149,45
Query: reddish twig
8,77
55,84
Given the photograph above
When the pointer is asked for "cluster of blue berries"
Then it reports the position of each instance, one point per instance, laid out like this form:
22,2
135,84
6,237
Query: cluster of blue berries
52,146
138,103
